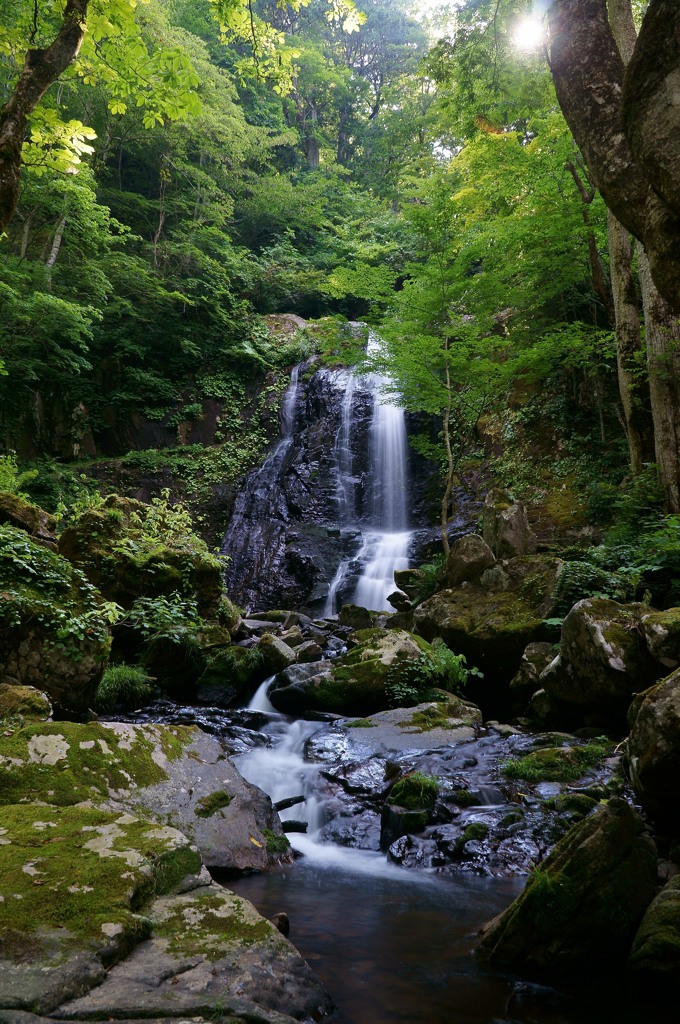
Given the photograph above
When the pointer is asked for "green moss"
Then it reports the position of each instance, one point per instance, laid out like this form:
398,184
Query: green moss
209,924
442,715
211,804
513,818
65,763
556,764
360,723
23,702
476,831
414,791
276,844
84,872
464,798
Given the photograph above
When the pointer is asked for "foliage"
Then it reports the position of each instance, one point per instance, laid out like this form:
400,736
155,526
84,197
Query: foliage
11,478
415,680
123,687
172,618
414,791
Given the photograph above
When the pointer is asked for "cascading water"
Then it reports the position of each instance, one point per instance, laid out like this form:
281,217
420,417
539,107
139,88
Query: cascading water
385,533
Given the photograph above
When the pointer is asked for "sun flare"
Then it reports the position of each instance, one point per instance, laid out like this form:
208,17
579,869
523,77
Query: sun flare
528,33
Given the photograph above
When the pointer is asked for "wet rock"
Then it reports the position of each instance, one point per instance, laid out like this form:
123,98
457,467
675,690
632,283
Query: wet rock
602,662
653,751
655,955
506,527
410,581
581,909
425,726
467,560
398,821
294,690
308,652
356,617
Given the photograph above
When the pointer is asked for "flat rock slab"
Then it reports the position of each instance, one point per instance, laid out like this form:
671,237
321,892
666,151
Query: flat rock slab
209,950
424,727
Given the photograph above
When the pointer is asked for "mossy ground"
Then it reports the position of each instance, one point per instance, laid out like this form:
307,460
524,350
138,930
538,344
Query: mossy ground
209,923
80,875
64,763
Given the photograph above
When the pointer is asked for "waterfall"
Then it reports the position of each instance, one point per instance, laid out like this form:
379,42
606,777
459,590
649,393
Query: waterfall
385,533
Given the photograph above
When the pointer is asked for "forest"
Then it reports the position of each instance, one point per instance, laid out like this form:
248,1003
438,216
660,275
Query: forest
340,404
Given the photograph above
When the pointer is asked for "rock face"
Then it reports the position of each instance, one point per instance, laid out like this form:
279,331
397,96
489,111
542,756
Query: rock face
506,527
581,909
52,636
653,751
655,956
296,520
490,623
121,549
602,661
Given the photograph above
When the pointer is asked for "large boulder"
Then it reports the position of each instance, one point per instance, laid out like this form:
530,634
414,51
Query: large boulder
534,661
655,956
52,634
355,683
581,908
653,751
127,552
491,623
662,635
506,526
467,560
175,775
602,661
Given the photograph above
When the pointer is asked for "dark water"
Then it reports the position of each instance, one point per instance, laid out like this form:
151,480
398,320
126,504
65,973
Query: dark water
393,950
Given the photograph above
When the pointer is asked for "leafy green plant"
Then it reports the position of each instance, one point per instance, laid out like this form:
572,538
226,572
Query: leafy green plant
11,478
123,686
172,618
414,680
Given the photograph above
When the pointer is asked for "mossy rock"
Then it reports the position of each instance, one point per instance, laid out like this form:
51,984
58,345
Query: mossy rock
556,764
52,633
77,877
662,635
22,515
581,909
655,954
414,791
118,555
602,661
24,702
653,751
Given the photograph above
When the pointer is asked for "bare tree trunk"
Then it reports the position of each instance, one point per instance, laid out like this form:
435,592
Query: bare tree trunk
662,328
41,69
54,251
446,433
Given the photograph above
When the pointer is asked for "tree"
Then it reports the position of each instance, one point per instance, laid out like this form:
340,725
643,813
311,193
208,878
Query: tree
625,122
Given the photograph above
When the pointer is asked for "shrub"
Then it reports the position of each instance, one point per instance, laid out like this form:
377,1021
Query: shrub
123,686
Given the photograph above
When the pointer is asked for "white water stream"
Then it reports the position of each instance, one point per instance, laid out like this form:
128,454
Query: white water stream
386,535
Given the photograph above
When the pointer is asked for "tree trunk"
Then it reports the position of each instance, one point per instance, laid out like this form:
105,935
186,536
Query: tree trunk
662,328
40,70
629,348
446,434
54,251
589,76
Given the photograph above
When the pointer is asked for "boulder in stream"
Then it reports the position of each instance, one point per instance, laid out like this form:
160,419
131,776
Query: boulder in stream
653,751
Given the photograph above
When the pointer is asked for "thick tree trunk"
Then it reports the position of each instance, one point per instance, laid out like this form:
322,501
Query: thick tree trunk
629,348
42,67
588,72
662,328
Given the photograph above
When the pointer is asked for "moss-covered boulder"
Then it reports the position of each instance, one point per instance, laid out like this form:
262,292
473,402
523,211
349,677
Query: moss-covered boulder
492,625
357,683
52,633
275,653
662,635
602,660
24,702
653,751
467,560
177,775
130,550
581,908
506,527
534,661
22,515
655,956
